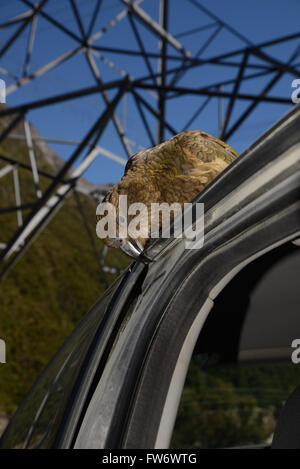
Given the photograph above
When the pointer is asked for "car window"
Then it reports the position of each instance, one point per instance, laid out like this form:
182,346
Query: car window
242,372
37,419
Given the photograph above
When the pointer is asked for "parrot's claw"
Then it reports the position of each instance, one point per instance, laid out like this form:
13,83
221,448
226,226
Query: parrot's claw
134,250
130,249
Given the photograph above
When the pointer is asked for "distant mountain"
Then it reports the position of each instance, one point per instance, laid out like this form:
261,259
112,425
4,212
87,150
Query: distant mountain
51,159
43,150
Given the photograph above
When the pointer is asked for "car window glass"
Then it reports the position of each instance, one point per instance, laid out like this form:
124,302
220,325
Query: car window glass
241,372
37,419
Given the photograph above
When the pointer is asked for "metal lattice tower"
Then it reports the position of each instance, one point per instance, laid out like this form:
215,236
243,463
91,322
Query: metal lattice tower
167,65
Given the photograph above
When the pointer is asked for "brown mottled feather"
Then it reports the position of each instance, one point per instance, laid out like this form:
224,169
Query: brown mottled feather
174,171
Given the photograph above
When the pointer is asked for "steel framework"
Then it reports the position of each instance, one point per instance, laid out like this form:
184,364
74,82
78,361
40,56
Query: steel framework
151,93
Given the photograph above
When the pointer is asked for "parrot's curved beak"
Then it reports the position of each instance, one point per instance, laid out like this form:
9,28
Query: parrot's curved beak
135,250
130,249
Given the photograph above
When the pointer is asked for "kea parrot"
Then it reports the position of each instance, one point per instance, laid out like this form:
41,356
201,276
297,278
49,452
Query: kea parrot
174,171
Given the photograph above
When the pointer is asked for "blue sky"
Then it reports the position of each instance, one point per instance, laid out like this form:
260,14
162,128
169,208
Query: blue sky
258,21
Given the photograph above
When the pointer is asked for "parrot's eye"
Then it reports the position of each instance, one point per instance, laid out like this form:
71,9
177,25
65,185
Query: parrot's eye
129,163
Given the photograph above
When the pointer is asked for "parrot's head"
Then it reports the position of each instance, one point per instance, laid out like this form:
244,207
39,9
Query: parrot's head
137,186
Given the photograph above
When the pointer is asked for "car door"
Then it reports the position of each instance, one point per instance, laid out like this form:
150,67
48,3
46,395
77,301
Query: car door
250,210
